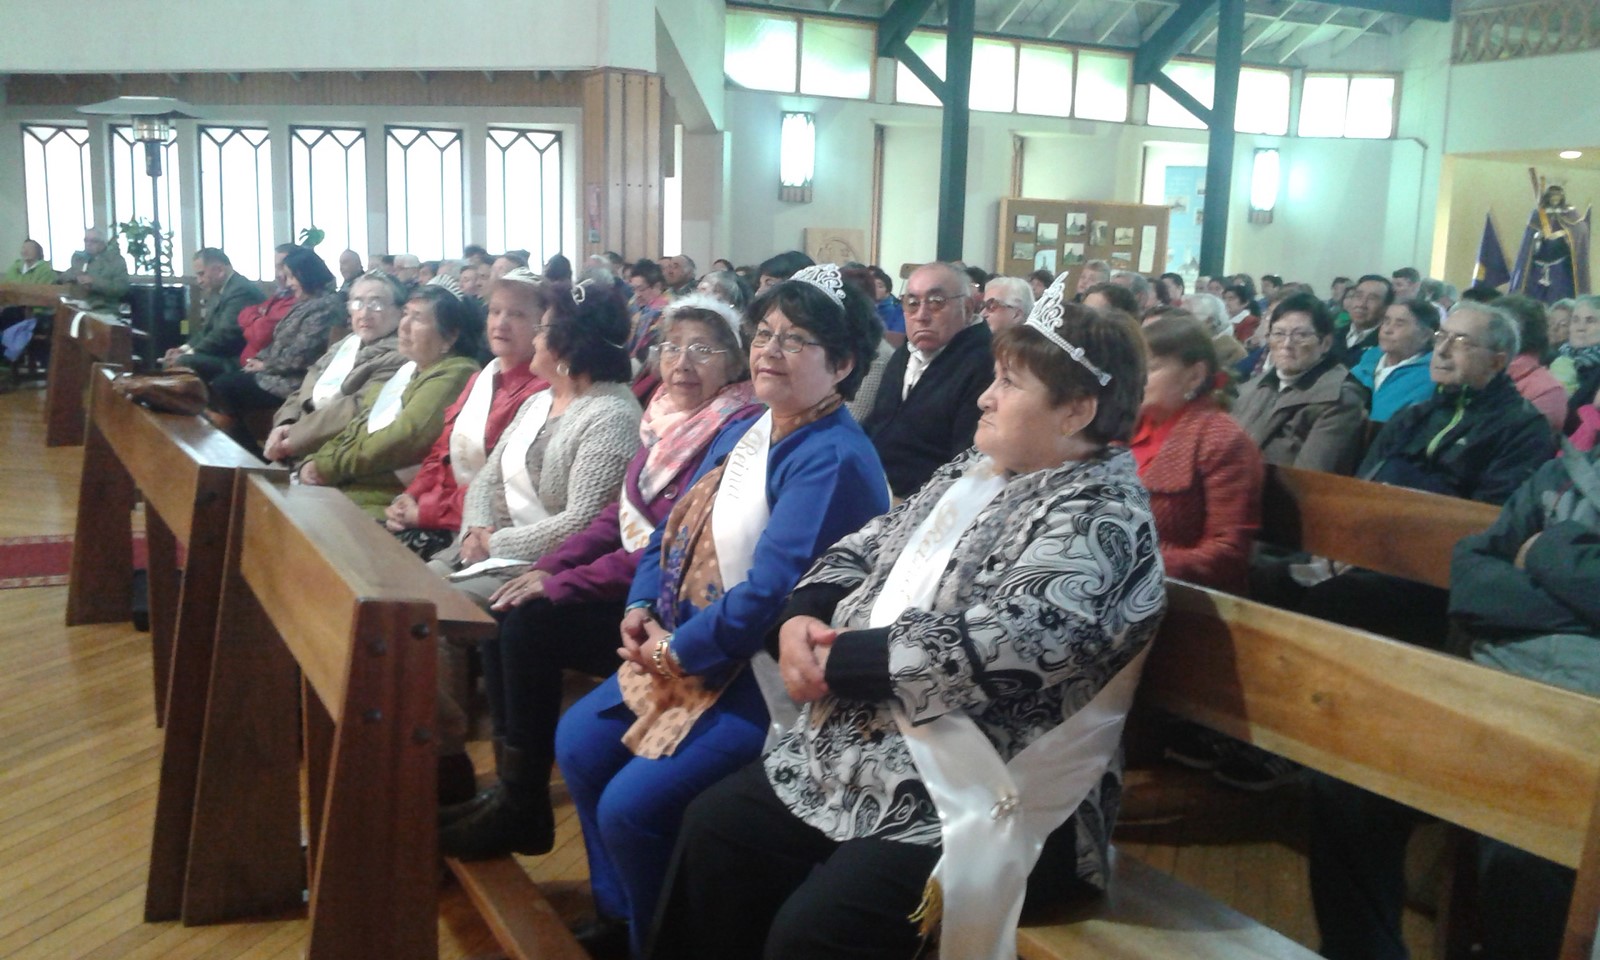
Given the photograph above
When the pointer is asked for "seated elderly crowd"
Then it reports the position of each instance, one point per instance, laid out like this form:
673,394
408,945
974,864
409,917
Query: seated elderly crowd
836,553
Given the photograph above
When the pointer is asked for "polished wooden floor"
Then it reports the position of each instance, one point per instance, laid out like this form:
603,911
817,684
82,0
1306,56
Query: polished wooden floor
79,756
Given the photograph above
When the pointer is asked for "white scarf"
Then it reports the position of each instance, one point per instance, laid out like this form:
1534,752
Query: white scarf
467,452
994,816
739,514
386,408
333,375
522,499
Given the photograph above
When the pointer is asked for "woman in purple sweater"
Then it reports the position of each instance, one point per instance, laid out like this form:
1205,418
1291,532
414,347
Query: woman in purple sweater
563,614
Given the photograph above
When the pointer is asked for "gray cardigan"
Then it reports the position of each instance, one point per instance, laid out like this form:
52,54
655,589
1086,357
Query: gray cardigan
584,464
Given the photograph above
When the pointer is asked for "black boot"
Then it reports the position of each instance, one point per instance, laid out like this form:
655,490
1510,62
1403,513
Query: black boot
456,811
604,938
516,817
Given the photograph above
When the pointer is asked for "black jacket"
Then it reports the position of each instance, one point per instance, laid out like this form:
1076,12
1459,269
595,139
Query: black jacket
936,421
1473,444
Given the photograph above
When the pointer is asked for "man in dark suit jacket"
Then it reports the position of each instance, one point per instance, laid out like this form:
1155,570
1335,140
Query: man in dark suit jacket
1366,303
214,345
927,406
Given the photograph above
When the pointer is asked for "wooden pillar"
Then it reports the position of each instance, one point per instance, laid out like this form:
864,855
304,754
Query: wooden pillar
622,163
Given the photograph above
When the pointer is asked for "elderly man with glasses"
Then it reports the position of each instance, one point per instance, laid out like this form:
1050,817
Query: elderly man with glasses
1006,302
99,269
926,410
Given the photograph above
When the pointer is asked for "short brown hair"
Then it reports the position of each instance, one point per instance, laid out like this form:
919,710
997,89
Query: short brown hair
1112,344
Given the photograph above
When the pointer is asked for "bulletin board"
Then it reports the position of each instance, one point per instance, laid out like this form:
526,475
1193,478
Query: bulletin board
1061,235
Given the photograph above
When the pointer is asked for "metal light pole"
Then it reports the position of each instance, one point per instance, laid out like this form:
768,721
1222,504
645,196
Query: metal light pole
152,126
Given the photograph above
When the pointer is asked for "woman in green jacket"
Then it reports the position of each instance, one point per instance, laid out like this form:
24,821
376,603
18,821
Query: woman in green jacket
30,268
376,454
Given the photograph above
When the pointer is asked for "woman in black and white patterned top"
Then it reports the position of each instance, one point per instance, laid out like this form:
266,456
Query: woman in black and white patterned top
966,660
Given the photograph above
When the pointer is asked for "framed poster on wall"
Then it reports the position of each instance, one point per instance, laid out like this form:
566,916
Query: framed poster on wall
1062,235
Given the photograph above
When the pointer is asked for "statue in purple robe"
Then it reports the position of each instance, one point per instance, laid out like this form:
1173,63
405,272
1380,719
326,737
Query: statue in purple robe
1553,261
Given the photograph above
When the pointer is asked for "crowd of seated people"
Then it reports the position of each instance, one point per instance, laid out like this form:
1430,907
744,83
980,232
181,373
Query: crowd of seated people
785,512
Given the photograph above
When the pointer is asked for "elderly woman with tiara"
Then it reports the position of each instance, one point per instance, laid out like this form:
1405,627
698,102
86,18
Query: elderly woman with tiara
966,662
563,614
697,696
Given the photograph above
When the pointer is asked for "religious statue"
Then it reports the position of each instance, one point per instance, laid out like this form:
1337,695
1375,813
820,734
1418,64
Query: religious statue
1553,261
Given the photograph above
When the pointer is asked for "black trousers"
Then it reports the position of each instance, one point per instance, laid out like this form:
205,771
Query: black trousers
522,665
752,880
237,394
1358,847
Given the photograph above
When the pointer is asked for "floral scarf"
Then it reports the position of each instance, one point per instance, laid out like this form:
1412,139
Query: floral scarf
675,437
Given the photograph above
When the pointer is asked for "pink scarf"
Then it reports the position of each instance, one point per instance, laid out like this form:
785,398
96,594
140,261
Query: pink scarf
674,437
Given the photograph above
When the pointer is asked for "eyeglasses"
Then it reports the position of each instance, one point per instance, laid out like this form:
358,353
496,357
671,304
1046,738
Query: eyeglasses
1445,341
698,353
376,306
1296,337
993,304
934,303
788,342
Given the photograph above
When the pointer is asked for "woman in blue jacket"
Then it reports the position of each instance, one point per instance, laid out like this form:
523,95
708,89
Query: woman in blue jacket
696,696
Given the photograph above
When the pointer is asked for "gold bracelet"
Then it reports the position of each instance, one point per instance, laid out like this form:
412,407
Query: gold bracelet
659,658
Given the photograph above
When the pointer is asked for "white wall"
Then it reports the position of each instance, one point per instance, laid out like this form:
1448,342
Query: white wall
1533,103
689,57
1347,205
237,35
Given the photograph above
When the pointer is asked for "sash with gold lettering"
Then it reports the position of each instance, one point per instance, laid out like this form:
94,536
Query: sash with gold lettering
994,816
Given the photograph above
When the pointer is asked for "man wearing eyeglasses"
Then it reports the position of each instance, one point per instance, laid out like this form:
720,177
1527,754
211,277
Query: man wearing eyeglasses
927,407
1365,303
214,346
100,270
1476,438
1006,302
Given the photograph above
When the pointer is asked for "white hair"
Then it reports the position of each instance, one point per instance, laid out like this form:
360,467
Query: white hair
1210,311
1014,292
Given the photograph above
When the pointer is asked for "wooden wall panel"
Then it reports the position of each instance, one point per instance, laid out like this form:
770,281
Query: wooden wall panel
622,168
414,89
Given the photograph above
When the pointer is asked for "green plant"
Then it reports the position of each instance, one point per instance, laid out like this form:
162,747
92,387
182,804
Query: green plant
137,239
311,236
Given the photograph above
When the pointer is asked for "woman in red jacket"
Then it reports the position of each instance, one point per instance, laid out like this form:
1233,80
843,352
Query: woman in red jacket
427,516
1203,472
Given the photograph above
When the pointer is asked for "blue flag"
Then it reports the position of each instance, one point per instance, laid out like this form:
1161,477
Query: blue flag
1491,268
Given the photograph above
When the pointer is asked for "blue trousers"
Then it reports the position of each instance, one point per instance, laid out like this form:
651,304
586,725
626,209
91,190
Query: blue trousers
631,808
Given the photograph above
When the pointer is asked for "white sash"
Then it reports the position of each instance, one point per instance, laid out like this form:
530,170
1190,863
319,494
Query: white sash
635,526
739,514
988,848
344,360
467,453
521,497
386,408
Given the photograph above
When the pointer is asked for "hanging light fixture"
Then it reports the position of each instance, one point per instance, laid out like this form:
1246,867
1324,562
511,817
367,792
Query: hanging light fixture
1265,176
797,158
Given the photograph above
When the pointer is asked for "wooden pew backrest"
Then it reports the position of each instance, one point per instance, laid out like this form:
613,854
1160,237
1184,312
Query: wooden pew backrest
1393,530
1502,755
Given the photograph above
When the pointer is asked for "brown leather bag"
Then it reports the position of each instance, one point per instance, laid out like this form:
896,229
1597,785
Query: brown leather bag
175,390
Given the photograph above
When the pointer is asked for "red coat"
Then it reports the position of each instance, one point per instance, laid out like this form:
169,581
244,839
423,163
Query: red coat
1205,490
438,496
259,320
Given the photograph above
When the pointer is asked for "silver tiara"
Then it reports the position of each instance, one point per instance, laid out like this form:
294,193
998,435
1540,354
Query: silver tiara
1047,313
825,277
523,275
448,282
708,303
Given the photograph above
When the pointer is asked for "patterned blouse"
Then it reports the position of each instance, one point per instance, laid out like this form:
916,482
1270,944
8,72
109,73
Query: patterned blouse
1054,588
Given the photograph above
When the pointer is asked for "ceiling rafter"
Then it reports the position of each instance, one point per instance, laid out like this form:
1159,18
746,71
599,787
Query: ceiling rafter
1292,46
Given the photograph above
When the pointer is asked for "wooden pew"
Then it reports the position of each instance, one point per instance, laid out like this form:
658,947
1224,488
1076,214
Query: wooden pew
312,588
78,341
1404,533
1501,755
184,469
30,294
